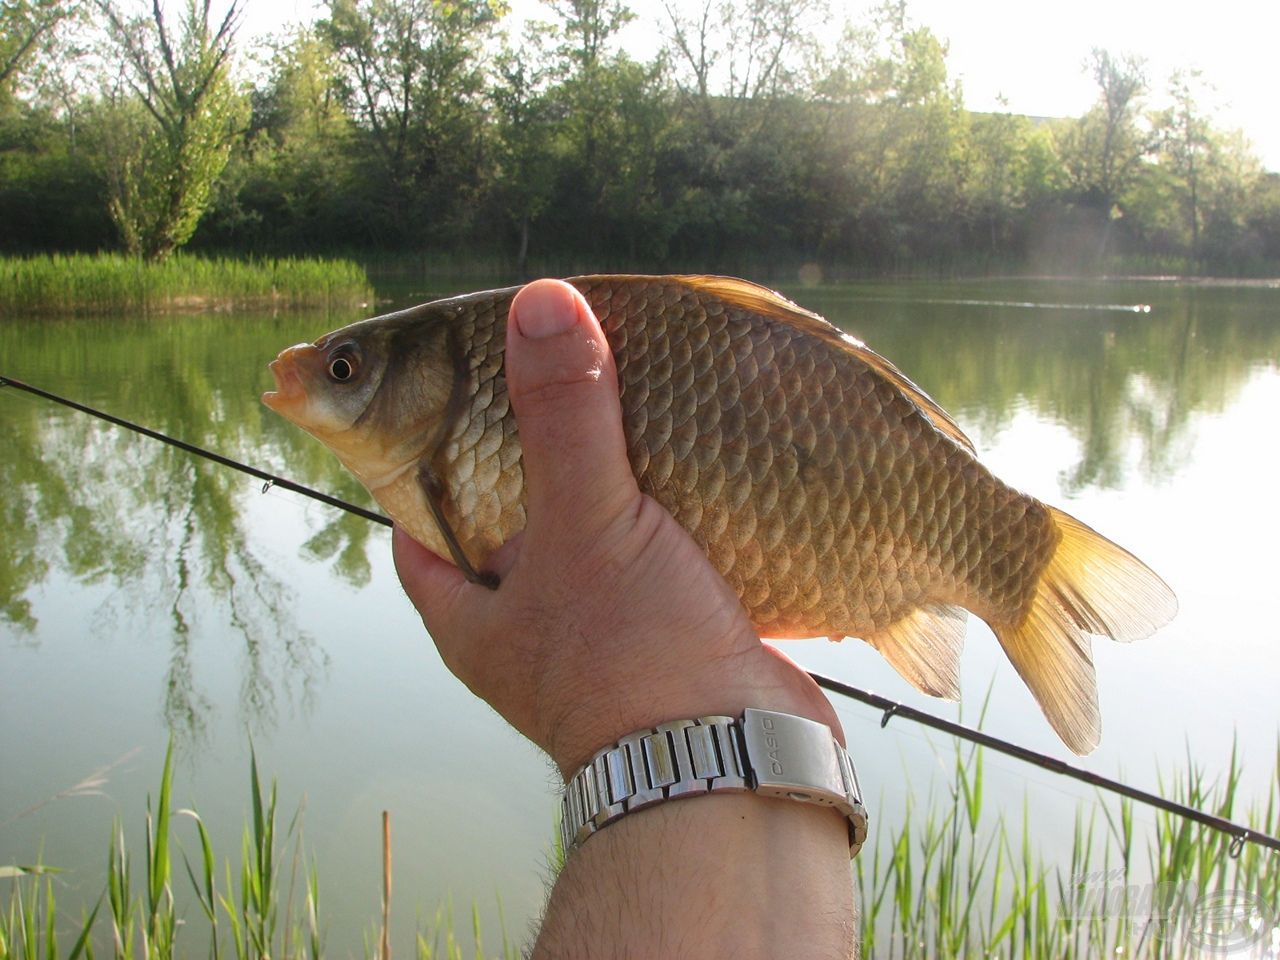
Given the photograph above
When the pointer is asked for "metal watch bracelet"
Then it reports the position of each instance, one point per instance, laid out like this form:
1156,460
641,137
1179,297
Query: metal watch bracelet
772,754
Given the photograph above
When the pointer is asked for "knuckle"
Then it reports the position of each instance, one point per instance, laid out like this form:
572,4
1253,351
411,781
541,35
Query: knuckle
568,389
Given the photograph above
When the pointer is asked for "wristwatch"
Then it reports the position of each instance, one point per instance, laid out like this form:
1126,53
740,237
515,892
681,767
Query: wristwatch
772,754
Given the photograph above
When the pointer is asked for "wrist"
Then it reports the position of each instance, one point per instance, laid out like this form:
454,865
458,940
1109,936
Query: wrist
760,678
734,875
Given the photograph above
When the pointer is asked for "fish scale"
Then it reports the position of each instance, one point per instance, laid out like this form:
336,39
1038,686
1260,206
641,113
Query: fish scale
783,530
831,493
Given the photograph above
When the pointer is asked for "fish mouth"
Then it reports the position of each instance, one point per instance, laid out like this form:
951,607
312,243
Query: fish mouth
290,391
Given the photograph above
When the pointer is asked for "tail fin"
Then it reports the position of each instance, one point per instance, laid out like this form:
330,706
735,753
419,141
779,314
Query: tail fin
1090,585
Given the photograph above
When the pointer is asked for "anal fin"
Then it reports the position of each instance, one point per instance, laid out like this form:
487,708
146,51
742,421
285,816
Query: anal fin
924,647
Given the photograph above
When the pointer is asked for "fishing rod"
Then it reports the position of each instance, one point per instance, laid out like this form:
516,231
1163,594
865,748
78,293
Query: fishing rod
269,479
890,708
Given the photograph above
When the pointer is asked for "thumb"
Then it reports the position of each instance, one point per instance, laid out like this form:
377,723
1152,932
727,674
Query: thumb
564,390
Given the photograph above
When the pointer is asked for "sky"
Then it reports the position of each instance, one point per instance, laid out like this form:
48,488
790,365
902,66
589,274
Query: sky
1032,53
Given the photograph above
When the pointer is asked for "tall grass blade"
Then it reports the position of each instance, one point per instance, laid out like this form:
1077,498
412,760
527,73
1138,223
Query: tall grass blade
158,839
206,886
83,945
384,941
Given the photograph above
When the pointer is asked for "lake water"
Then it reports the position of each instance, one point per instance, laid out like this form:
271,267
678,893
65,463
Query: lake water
144,591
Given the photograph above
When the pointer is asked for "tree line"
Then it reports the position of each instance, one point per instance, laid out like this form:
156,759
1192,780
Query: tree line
748,143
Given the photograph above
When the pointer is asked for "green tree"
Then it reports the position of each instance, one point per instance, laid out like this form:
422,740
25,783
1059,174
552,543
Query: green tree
1102,150
1186,146
904,134
411,76
1014,176
692,45
1154,219
288,187
50,185
1263,216
586,29
1200,187
930,129
613,123
747,162
526,151
176,114
756,49
998,178
24,26
1235,170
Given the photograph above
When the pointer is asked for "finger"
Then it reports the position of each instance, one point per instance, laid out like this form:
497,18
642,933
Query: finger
456,613
564,391
435,586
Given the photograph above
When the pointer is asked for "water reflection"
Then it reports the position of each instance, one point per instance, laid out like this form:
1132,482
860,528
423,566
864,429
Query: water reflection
168,536
1111,378
343,540
165,534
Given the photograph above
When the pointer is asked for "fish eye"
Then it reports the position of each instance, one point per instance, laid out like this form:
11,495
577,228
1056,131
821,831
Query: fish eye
342,367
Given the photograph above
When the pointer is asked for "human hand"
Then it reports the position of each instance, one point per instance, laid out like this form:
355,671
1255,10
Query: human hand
609,618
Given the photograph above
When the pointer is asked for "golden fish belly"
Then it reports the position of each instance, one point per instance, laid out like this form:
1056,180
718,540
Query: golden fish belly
824,497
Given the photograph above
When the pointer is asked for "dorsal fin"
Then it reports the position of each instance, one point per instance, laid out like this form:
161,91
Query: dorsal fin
752,296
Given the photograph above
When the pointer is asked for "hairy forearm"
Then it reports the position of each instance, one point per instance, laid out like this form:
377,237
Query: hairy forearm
725,875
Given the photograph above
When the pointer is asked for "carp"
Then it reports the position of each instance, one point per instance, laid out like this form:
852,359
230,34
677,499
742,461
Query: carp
833,495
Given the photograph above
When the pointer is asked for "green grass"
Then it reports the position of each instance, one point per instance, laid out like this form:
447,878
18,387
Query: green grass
264,904
957,879
111,283
145,923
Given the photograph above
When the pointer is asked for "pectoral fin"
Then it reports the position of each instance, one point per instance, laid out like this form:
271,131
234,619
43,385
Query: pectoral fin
434,490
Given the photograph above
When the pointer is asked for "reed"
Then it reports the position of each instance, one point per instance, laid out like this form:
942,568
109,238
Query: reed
438,940
959,880
107,283
146,923
956,879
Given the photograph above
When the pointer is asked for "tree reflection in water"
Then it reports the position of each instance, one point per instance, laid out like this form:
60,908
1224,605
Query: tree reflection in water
1110,377
166,534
